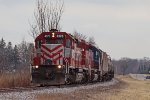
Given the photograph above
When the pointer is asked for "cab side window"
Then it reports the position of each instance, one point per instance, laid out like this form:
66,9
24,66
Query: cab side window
68,43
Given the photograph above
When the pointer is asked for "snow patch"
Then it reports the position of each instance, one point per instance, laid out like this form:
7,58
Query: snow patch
139,76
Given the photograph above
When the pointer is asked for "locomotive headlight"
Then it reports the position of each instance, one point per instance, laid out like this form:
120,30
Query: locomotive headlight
37,67
59,66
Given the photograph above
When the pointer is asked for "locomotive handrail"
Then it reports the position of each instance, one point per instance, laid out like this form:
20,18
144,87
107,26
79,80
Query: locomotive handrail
67,67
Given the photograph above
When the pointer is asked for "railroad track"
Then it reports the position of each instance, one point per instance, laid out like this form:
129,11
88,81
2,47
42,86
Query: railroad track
17,89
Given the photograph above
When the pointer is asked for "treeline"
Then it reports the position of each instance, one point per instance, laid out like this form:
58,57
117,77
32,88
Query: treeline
15,57
135,66
18,57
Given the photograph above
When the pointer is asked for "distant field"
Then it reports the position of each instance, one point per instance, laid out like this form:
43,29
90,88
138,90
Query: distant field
127,89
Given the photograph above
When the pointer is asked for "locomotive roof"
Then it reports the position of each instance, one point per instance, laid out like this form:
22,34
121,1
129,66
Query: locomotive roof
40,36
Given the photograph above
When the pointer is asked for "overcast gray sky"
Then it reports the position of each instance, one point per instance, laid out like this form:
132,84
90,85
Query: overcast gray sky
120,27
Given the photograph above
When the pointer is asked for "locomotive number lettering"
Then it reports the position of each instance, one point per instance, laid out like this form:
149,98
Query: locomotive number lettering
47,36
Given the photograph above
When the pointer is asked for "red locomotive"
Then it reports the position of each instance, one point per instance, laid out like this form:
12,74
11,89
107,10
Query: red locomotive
60,58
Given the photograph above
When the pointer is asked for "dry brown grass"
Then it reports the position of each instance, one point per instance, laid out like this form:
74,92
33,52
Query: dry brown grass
134,90
127,89
17,79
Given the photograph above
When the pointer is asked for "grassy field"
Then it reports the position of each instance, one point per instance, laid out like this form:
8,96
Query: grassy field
18,79
127,89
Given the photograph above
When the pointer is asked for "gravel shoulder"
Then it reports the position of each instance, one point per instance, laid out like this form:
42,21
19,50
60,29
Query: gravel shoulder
57,93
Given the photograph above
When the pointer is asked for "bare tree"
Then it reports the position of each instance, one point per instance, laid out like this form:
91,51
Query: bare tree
55,11
47,16
127,65
79,35
92,40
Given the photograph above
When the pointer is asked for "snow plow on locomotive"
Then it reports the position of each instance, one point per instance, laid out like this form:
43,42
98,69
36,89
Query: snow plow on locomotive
60,58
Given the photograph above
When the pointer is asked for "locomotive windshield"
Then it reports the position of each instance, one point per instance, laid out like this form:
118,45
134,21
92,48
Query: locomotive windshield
38,43
54,41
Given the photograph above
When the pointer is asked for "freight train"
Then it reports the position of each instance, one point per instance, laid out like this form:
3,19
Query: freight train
60,58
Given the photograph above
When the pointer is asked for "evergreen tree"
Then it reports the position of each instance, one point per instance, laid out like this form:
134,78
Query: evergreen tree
9,56
16,57
2,44
2,55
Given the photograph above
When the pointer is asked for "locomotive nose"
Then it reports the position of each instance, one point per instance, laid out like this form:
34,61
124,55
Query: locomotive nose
50,75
